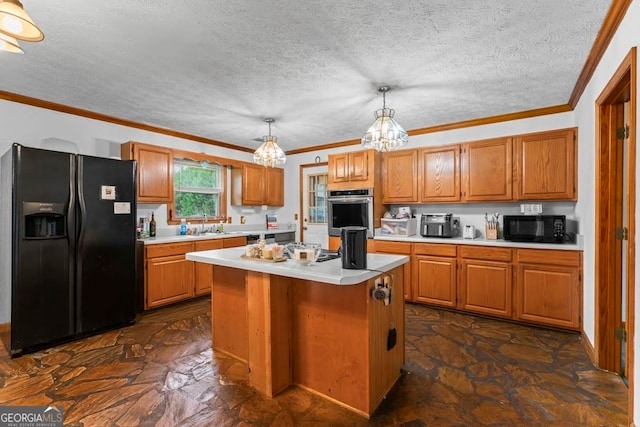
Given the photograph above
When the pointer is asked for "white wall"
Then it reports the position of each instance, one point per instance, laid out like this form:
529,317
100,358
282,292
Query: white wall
37,127
625,38
472,214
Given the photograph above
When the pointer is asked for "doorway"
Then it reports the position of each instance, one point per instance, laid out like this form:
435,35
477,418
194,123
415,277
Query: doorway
313,203
615,223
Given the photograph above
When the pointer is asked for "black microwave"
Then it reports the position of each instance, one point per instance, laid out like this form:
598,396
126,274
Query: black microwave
535,228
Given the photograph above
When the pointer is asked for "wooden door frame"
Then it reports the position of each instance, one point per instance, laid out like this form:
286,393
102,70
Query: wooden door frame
300,195
606,197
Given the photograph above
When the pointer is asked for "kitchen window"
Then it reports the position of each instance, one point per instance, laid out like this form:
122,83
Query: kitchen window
317,197
198,190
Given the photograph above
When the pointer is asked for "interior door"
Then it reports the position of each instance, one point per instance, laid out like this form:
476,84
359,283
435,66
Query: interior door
313,188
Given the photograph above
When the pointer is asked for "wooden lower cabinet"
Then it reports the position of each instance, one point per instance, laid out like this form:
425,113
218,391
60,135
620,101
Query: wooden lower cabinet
204,272
169,277
485,283
434,274
548,288
396,248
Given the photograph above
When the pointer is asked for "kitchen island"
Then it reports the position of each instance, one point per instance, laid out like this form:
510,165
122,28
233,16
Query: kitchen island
315,326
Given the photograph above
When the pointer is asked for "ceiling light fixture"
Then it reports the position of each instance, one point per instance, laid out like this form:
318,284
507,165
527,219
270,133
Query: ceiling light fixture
385,134
269,154
9,44
15,22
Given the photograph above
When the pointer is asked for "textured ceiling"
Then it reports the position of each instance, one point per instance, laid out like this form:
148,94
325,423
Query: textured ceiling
216,68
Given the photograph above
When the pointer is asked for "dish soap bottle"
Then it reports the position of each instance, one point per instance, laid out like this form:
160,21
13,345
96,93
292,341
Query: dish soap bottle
183,227
152,226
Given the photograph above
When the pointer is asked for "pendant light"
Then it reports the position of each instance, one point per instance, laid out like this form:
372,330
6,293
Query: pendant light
385,134
9,44
15,22
269,154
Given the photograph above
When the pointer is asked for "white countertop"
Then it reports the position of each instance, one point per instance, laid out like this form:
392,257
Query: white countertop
176,238
327,272
569,246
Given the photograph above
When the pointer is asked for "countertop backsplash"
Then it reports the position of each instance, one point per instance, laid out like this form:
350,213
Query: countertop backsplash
473,214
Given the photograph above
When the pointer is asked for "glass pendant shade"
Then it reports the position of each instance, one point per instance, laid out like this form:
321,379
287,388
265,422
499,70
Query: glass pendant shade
269,154
9,44
15,22
385,134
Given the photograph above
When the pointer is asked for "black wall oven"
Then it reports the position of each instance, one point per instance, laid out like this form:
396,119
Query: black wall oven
350,208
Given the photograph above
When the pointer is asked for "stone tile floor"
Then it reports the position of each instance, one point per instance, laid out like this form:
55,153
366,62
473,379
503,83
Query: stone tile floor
460,370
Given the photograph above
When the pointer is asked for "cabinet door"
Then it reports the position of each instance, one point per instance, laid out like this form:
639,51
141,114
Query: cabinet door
397,248
548,294
168,279
399,176
486,287
275,187
253,184
334,243
359,166
439,173
232,242
155,171
486,170
204,271
338,168
545,166
435,280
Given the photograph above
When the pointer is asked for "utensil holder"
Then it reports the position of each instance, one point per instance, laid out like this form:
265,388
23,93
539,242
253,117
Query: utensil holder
491,233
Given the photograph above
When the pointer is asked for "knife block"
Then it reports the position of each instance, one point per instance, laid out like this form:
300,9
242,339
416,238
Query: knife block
491,233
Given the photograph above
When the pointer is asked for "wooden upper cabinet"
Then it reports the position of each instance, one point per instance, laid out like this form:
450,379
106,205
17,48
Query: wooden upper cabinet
339,168
275,187
439,174
399,171
359,166
155,171
487,170
353,170
546,165
253,185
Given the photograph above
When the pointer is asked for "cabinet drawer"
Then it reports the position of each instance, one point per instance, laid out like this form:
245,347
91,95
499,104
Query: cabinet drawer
544,256
154,251
208,245
484,252
393,247
435,249
232,242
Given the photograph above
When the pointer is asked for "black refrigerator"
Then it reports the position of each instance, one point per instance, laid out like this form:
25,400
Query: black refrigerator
73,237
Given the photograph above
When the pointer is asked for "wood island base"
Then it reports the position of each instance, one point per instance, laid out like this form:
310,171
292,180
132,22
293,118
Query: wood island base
329,339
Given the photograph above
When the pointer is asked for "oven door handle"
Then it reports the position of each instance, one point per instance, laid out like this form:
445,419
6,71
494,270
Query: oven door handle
350,199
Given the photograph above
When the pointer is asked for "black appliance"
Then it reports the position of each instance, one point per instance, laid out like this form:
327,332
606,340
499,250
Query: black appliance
73,246
438,225
350,208
535,228
353,247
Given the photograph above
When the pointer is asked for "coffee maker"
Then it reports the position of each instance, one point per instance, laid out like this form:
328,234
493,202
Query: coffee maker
353,247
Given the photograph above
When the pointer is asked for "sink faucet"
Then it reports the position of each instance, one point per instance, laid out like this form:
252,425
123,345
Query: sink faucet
204,221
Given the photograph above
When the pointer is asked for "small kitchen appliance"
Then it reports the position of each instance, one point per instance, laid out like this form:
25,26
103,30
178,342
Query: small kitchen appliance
438,225
353,247
535,228
469,232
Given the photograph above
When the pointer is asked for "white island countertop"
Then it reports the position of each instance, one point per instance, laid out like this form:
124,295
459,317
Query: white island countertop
326,272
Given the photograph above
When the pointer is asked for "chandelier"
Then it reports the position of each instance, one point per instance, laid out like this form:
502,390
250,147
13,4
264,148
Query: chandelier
269,154
15,23
385,134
